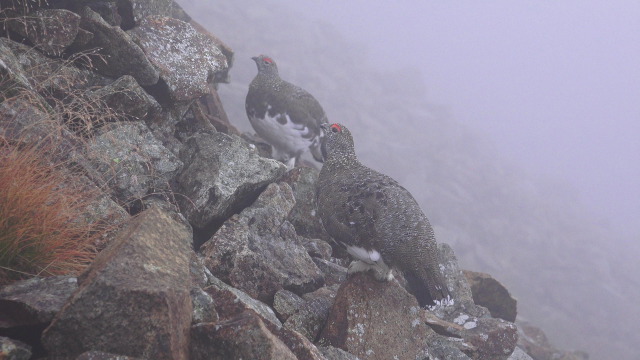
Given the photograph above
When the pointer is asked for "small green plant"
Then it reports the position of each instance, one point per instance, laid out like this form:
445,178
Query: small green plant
41,210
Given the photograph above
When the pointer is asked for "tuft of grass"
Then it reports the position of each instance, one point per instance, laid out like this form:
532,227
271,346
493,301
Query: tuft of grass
41,212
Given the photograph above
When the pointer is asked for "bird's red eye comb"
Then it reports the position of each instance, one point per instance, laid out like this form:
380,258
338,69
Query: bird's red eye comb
335,128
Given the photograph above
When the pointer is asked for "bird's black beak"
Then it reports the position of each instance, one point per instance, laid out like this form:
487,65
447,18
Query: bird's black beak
254,58
324,127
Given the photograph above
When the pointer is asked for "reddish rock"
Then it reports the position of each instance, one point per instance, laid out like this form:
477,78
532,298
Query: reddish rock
490,293
491,338
375,320
134,299
242,337
232,304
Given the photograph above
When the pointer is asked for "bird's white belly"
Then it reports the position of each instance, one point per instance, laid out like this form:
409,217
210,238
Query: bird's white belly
289,137
362,254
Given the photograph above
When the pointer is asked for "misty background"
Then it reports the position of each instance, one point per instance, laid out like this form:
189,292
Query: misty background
514,124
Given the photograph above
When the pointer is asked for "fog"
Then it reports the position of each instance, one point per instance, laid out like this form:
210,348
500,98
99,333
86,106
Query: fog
555,86
515,124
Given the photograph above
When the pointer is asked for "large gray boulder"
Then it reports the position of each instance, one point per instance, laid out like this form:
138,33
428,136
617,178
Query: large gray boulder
134,298
222,174
119,54
127,99
34,301
11,71
304,215
186,60
259,252
131,160
50,30
49,76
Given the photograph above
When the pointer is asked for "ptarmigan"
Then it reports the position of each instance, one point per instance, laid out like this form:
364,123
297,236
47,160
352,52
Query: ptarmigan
283,114
379,222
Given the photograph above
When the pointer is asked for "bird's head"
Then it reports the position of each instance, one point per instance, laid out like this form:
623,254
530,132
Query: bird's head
265,64
337,143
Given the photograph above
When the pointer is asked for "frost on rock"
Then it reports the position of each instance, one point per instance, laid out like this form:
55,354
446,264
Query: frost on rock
186,59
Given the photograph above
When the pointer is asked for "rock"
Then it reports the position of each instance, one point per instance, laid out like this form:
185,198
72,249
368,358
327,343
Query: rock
310,316
535,343
186,60
35,301
119,54
303,215
259,252
490,293
242,337
206,111
127,99
230,302
333,353
137,10
375,320
131,160
226,50
199,273
104,215
572,355
455,279
519,354
50,30
491,338
13,349
286,303
11,71
301,347
100,355
485,337
204,308
316,247
441,347
53,76
134,298
333,273
108,11
21,120
221,175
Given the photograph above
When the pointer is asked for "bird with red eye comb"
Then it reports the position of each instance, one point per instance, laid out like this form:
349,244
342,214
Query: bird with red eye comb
377,220
283,114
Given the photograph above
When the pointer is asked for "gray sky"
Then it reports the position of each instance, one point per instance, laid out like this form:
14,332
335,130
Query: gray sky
554,85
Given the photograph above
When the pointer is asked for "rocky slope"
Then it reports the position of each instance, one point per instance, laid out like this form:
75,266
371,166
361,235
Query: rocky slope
565,266
215,251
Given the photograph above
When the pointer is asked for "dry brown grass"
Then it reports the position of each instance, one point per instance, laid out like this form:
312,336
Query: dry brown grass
41,207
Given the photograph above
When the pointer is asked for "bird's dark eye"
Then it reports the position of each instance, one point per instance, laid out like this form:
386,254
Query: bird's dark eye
336,128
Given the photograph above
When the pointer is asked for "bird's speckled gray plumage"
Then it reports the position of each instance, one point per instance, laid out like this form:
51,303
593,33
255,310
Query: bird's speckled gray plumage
283,114
363,208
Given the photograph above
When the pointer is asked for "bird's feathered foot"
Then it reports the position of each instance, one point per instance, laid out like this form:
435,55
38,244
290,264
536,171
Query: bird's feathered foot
380,270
